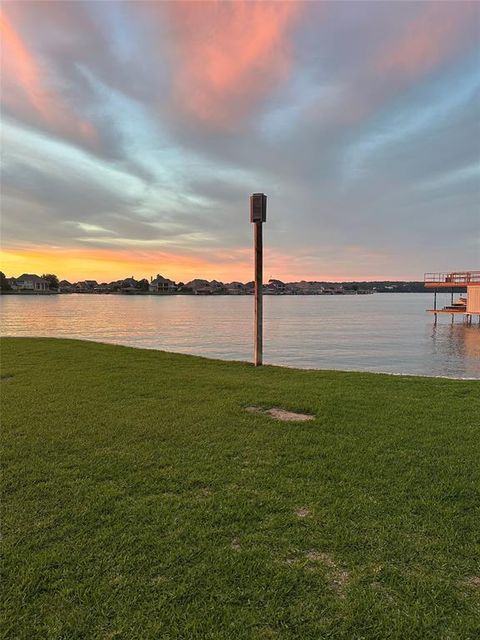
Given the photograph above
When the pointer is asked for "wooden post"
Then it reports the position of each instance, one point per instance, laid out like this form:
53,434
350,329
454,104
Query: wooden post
258,235
258,215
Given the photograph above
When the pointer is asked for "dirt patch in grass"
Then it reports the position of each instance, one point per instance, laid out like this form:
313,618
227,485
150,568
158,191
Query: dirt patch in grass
236,544
302,513
281,414
472,581
338,577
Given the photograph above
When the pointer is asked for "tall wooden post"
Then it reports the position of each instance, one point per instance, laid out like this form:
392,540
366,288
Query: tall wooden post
258,215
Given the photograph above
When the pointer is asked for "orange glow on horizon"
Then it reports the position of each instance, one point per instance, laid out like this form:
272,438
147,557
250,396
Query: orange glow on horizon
109,265
100,265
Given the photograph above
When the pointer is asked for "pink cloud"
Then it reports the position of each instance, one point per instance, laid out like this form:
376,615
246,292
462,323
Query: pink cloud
229,55
437,32
434,34
26,89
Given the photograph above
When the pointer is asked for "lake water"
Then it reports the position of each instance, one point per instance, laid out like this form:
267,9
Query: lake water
380,332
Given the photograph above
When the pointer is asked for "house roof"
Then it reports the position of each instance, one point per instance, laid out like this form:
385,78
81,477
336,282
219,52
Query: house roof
161,280
31,276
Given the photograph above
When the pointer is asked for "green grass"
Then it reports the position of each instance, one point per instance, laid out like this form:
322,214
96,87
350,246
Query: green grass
141,501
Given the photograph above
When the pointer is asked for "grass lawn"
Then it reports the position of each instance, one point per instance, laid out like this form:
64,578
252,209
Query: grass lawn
141,500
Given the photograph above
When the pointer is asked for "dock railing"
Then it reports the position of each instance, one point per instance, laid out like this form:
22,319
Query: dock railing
452,278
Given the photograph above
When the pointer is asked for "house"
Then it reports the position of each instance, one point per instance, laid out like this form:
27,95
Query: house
275,287
128,283
64,286
195,285
86,286
235,288
28,282
102,288
162,285
217,287
306,288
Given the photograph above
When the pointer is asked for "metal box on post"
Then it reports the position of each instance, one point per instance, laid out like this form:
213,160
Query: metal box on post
258,207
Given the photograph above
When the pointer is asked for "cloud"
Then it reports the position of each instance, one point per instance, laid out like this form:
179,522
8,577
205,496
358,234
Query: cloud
229,55
437,31
27,90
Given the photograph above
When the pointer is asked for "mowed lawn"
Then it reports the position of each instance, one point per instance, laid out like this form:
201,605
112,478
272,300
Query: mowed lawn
141,500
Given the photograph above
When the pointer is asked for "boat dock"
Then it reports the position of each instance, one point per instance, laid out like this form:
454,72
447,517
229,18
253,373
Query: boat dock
467,304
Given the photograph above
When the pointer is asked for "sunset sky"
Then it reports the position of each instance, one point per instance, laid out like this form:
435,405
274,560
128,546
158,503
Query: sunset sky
134,132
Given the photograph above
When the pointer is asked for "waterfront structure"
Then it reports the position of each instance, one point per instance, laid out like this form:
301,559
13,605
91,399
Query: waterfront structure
28,282
468,305
162,285
235,288
196,284
86,286
275,287
64,286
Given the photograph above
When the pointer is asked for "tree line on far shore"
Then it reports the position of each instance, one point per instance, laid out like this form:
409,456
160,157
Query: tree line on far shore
204,286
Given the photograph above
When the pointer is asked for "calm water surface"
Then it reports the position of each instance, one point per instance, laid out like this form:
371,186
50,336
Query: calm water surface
380,332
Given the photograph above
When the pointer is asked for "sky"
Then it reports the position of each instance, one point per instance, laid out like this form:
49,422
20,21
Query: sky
133,133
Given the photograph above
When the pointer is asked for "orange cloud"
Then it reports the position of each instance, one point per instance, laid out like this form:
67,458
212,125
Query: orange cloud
435,33
229,55
24,89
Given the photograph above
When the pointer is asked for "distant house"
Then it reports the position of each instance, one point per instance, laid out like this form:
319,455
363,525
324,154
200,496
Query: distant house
203,287
128,283
162,285
198,284
235,288
28,282
275,286
250,287
306,288
85,286
216,286
64,286
102,288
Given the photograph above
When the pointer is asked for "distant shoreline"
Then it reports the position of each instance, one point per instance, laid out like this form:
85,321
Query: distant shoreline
191,294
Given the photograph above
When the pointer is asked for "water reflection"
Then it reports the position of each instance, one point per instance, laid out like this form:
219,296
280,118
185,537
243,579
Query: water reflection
383,332
457,342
